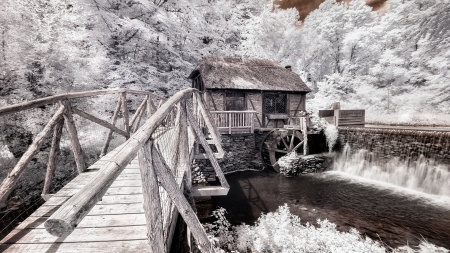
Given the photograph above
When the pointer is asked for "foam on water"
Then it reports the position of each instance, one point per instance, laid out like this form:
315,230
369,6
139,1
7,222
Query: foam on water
422,175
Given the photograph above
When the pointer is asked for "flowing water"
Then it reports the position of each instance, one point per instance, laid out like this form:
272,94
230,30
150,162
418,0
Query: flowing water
423,175
383,203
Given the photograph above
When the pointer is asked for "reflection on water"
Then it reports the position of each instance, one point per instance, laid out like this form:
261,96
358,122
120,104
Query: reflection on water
396,217
423,175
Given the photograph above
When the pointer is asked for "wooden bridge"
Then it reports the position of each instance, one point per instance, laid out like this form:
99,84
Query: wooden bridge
128,200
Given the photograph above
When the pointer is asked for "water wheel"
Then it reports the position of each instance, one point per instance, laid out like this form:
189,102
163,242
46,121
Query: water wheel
278,143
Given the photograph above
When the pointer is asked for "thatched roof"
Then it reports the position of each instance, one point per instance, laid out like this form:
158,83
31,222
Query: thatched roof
247,74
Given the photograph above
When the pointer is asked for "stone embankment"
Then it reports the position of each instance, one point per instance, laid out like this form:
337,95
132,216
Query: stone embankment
293,165
241,153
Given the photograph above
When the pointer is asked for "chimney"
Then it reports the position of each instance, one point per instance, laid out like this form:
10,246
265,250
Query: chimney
288,67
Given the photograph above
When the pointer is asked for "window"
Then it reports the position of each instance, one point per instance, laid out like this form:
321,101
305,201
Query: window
275,103
235,101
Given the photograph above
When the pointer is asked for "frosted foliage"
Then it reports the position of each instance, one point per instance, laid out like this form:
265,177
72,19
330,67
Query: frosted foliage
355,56
282,231
331,133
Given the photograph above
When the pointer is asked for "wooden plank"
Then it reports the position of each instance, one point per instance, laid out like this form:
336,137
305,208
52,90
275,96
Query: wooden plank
152,202
73,136
113,191
54,150
97,247
106,200
10,181
113,122
169,184
99,121
113,220
209,191
105,234
114,208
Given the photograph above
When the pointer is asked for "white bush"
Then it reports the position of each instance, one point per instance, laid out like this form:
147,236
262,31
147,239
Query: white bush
282,232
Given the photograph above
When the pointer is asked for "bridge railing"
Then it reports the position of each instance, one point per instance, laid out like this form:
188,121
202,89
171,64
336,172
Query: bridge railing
164,148
66,106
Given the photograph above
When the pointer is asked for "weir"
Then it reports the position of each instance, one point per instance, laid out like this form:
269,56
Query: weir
417,160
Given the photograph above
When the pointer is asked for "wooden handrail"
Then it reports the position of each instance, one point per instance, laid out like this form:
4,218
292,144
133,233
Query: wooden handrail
67,217
56,98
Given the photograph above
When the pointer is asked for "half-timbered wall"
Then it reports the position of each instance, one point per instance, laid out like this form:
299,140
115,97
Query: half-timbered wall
254,102
297,104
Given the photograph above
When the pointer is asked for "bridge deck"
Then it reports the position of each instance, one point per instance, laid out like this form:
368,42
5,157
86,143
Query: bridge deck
115,224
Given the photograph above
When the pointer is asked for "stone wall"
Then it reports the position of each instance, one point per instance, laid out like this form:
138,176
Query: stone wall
388,143
241,154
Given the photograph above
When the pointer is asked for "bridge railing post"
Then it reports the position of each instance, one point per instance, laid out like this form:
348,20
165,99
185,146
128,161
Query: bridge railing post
73,136
11,180
113,122
126,121
51,166
152,202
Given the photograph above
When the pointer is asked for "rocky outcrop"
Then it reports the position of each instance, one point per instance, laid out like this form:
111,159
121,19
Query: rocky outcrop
292,165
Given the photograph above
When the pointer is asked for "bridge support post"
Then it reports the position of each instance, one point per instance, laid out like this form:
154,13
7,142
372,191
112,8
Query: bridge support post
126,121
113,122
73,136
152,202
51,167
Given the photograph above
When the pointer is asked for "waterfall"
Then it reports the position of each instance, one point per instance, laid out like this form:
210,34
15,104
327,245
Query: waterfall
424,175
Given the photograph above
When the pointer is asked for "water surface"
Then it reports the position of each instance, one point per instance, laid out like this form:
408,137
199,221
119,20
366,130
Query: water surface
398,216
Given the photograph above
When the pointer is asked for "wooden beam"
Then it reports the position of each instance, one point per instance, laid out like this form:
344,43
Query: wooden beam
152,202
211,127
201,139
139,118
183,148
126,120
56,98
51,166
150,105
169,183
212,100
99,121
138,112
70,214
11,180
253,106
73,136
113,122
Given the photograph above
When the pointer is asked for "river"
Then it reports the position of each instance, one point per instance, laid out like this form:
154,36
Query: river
395,215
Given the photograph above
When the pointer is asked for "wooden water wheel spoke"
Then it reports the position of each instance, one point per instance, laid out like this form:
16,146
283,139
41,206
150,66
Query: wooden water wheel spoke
285,144
291,143
279,151
298,145
278,143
